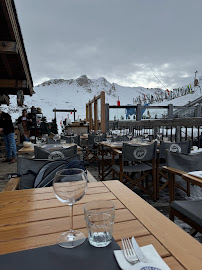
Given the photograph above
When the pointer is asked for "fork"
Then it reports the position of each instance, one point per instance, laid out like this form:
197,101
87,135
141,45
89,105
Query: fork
129,251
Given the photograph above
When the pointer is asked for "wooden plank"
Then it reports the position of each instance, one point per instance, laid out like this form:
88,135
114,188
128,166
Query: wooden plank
188,122
34,191
103,111
173,263
8,47
46,196
192,179
12,184
173,170
8,11
95,115
33,205
7,83
121,229
16,218
90,117
53,225
182,246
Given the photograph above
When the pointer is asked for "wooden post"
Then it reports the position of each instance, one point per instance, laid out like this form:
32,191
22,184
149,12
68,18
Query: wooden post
138,113
87,112
90,116
107,117
102,94
170,111
95,115
74,114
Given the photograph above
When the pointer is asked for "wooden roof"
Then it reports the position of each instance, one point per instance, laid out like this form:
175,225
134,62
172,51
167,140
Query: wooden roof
14,67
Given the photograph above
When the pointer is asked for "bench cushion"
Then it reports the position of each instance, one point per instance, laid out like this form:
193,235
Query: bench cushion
190,209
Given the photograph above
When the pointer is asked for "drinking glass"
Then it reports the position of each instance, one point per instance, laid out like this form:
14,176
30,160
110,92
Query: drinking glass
99,216
70,186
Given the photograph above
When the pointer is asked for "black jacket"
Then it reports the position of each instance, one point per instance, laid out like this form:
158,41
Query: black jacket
6,123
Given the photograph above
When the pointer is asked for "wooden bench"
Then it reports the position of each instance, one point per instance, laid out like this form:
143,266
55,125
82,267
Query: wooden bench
13,183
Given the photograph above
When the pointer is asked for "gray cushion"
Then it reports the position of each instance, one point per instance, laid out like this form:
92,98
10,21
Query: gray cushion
190,209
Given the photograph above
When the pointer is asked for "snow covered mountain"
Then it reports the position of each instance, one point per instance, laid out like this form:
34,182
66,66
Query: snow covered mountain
69,94
75,93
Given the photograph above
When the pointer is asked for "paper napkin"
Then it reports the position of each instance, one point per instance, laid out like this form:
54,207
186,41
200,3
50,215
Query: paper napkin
155,262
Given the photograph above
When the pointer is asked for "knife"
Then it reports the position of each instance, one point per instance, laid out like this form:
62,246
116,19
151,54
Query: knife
138,251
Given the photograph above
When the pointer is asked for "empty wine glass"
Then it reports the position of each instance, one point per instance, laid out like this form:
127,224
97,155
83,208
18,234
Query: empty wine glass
70,186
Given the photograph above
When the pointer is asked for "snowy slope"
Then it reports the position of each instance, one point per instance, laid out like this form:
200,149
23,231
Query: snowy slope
69,94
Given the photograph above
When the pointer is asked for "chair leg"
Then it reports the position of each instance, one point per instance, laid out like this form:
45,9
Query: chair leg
157,179
193,232
171,216
154,181
188,189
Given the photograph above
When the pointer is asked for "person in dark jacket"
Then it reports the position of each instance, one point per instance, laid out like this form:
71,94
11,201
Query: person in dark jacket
7,127
24,125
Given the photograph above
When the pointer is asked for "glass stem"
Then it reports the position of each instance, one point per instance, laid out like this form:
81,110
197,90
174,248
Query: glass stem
71,216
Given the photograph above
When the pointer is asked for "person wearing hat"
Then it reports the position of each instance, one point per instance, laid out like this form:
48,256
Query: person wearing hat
6,126
23,124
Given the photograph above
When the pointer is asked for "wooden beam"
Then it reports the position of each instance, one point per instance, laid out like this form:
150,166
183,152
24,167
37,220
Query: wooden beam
102,111
4,83
9,12
58,110
95,115
90,117
87,112
8,47
7,65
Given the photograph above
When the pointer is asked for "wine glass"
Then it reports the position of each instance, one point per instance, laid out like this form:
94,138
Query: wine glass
70,186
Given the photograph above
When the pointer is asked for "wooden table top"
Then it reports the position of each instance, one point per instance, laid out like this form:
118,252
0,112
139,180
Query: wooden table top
119,145
192,179
31,148
34,218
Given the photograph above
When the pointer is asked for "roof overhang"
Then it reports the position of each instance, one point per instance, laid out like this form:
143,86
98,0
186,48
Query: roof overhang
15,73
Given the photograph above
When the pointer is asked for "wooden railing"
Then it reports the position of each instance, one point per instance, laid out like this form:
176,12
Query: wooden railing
178,129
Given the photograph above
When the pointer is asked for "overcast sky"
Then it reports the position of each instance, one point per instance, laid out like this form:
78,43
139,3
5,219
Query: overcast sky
125,41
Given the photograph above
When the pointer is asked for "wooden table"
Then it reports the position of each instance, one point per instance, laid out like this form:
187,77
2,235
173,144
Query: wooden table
34,218
28,150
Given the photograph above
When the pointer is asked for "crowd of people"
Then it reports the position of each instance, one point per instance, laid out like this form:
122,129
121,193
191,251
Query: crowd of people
7,128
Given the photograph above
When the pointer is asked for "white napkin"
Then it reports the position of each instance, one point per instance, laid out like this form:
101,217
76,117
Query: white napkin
155,262
196,173
65,146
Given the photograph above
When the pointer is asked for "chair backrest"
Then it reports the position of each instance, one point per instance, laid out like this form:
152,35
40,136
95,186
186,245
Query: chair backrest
72,139
42,153
132,152
51,141
93,139
180,147
29,170
184,162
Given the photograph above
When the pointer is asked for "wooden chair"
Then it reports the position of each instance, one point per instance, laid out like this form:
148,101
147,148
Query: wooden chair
92,149
181,147
106,158
136,164
189,211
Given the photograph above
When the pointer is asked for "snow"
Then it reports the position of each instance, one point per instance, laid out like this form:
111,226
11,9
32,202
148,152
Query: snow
70,94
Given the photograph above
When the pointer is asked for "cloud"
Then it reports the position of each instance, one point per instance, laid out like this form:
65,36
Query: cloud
125,41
